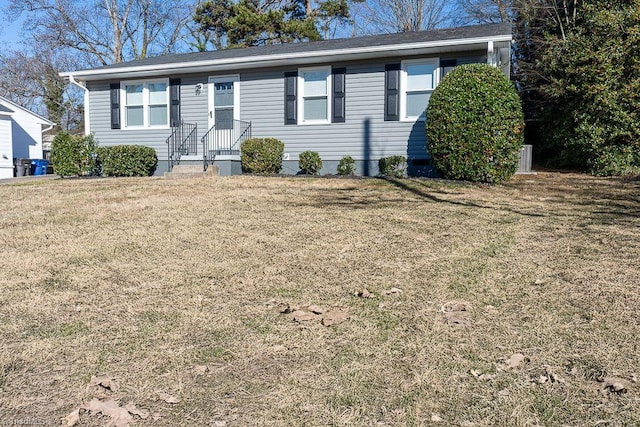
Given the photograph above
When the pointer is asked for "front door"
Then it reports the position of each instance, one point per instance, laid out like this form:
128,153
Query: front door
224,111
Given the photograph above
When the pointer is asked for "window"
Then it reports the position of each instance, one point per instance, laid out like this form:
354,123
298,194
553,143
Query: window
419,78
146,104
314,102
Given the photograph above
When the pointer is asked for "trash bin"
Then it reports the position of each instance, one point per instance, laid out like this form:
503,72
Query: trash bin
23,167
39,167
19,168
26,164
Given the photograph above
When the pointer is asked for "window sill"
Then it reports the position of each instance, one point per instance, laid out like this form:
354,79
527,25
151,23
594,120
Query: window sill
312,123
146,128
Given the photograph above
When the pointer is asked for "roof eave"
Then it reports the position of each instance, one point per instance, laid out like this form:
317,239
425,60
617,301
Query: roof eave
298,58
41,120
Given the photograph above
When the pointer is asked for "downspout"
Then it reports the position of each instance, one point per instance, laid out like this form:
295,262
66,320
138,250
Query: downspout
490,54
87,125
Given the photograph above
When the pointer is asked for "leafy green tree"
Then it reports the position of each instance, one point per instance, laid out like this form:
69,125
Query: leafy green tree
591,92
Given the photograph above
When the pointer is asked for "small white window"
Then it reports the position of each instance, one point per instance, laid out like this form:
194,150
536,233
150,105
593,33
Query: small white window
146,104
419,78
314,99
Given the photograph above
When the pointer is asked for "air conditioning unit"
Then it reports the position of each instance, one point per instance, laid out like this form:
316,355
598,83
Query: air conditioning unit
526,157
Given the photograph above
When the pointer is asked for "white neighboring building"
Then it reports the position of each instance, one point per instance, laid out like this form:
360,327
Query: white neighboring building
20,135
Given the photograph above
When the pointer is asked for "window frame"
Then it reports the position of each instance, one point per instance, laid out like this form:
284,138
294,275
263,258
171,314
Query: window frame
300,99
146,104
403,85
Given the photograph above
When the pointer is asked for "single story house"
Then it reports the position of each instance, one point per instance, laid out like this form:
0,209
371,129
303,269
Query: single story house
20,135
364,97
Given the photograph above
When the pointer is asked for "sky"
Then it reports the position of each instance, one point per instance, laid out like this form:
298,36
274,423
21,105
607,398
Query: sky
9,31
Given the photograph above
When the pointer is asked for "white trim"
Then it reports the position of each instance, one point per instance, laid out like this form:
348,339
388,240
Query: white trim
145,103
300,100
43,121
235,78
403,85
397,49
87,121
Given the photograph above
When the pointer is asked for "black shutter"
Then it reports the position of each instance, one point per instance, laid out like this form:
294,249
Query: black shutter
392,92
338,80
290,98
447,65
174,101
115,105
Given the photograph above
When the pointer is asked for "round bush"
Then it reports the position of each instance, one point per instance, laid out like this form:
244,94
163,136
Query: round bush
475,125
262,155
347,166
310,162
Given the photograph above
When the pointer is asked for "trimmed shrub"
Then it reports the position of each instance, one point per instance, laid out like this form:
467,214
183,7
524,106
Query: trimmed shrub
347,166
127,160
262,155
395,166
310,162
475,125
73,155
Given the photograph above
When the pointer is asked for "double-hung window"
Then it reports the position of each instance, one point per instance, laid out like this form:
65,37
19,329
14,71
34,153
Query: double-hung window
419,79
315,99
146,104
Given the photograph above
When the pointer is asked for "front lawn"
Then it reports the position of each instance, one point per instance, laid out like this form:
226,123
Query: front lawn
513,305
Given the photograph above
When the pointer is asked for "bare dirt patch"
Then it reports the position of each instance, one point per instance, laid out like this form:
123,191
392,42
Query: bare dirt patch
142,302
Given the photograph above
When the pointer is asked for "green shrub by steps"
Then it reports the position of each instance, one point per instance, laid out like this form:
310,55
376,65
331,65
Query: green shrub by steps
262,155
347,166
310,163
475,125
127,160
73,155
395,166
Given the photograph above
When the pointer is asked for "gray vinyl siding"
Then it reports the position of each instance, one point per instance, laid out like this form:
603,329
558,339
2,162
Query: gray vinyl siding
364,134
100,124
262,103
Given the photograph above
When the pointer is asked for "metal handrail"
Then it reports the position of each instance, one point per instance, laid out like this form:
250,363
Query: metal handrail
182,141
225,141
205,146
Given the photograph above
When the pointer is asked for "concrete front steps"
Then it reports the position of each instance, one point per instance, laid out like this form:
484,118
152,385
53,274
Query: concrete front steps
191,171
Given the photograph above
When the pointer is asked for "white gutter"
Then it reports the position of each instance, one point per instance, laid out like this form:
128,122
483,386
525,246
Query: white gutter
284,59
87,123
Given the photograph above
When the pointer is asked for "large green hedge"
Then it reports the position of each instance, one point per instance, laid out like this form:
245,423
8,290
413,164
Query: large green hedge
127,160
262,155
73,155
475,125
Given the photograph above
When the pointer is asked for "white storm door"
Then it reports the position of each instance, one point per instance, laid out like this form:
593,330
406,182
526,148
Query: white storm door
224,110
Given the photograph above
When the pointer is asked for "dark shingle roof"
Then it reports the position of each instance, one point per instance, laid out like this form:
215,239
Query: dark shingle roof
469,32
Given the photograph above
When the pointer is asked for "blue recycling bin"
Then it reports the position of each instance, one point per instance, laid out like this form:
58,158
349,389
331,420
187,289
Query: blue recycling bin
39,167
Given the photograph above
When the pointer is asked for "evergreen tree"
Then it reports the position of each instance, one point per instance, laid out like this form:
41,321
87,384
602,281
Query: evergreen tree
243,23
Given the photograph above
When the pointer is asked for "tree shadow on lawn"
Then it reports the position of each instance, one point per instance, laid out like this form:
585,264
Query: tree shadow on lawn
604,200
354,198
598,200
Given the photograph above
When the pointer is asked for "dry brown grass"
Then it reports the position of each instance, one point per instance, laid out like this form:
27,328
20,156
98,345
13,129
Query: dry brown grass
145,279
